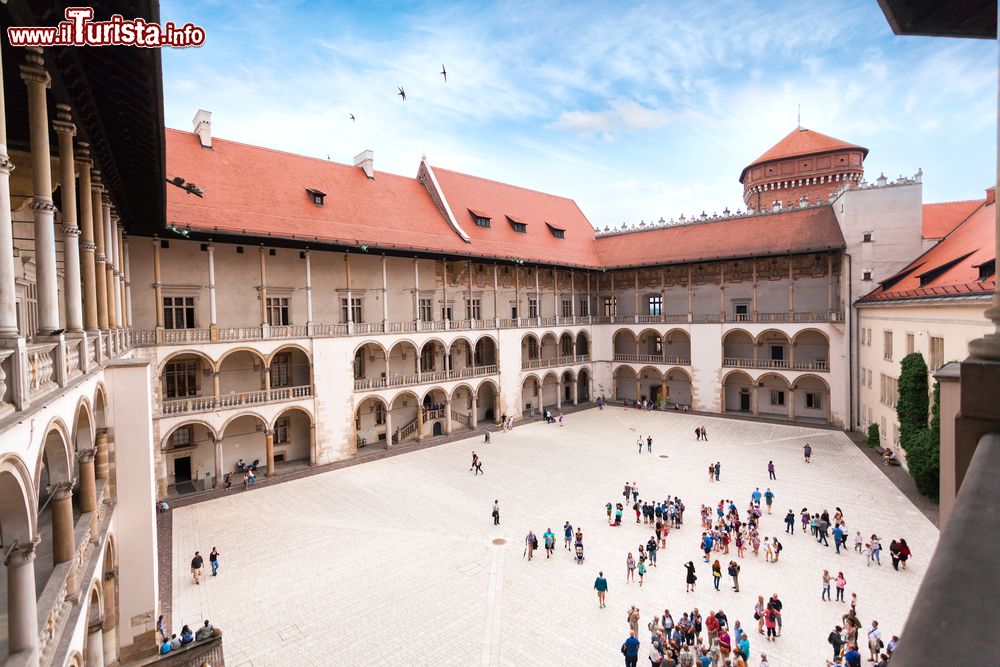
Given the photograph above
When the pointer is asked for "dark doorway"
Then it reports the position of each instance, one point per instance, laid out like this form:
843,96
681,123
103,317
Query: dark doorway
744,400
777,352
182,469
437,428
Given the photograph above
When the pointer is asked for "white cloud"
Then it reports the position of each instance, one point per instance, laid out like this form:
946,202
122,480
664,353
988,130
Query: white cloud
620,116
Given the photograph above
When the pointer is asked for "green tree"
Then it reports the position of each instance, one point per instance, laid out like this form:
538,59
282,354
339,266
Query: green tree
873,439
923,456
913,402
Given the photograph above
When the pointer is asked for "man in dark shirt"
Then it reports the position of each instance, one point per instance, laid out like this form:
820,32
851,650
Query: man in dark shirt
196,564
775,604
852,657
630,649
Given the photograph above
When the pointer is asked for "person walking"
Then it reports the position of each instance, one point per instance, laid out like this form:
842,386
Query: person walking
826,586
196,564
770,470
486,435
716,573
629,568
758,614
840,582
601,586
627,492
213,560
640,444
691,577
649,444
790,522
718,468
496,512
161,629
635,492
568,534
475,460
641,569
904,553
630,649
894,554
530,544
704,433
874,641
550,542
651,550
836,639
769,499
807,451
697,433
838,536
776,604
633,620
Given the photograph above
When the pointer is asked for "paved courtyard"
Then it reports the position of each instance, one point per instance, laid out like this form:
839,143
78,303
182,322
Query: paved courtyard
394,562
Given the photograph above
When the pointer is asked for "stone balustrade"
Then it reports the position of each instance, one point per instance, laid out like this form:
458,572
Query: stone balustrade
194,404
426,377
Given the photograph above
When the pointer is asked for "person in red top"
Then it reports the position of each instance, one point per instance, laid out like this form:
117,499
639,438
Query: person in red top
712,627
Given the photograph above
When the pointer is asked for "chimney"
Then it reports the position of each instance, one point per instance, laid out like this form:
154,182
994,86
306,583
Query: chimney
991,195
203,127
366,160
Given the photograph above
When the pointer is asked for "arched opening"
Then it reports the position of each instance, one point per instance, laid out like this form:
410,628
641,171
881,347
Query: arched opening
293,437
16,528
58,513
369,366
625,345
434,406
550,392
567,387
460,358
244,437
370,421
183,378
290,367
83,431
651,387
486,352
550,349
433,360
583,386
463,407
242,378
625,386
678,388
109,592
774,397
677,347
773,349
189,450
486,399
737,389
531,396
566,349
737,349
402,363
530,351
94,642
811,350
811,398
582,344
649,345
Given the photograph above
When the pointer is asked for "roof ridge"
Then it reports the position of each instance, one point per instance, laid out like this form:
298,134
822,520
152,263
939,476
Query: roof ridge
956,201
509,185
289,153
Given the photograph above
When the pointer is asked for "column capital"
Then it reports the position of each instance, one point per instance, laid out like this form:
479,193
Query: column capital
82,154
39,203
105,198
70,230
96,184
64,121
23,553
33,69
86,455
269,432
63,490
97,625
88,246
102,258
111,575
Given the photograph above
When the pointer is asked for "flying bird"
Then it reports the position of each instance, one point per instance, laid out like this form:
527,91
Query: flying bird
352,118
401,93
444,72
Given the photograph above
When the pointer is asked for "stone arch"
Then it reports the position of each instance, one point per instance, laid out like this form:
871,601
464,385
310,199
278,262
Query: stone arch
549,346
811,349
454,390
100,404
294,408
285,348
248,413
738,345
189,422
179,353
567,344
678,387
738,392
403,414
55,455
487,400
810,330
583,386
402,359
293,435
486,350
649,341
401,394
531,347
625,341
460,339
811,397
531,394
368,428
774,395
95,610
584,349
373,343
17,501
84,431
623,380
236,350
242,441
75,660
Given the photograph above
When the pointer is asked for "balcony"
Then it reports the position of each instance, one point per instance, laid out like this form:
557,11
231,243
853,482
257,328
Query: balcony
531,364
780,364
426,377
195,404
652,359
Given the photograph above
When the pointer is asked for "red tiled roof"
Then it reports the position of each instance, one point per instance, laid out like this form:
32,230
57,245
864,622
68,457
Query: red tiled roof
812,229
941,218
262,192
801,141
500,201
950,268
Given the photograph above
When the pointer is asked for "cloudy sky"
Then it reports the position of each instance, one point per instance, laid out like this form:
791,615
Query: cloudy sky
636,111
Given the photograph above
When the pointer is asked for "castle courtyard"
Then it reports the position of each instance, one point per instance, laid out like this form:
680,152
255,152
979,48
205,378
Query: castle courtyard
397,562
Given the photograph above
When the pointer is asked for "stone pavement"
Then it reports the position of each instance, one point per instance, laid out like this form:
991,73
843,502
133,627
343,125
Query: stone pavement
395,561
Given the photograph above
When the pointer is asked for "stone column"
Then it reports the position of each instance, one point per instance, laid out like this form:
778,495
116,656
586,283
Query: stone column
496,297
416,293
101,456
65,130
638,389
22,605
216,394
8,309
444,292
538,303
213,319
88,482
690,297
126,272
754,399
559,393
572,296
791,403
791,291
420,422
385,296
309,293
43,211
157,285
753,306
120,270
829,283
576,392
110,626
313,454
95,643
269,445
517,294
110,248
350,304
63,547
722,292
447,416
637,311
388,425
219,461
474,416
590,305
472,315
555,293
263,286
100,268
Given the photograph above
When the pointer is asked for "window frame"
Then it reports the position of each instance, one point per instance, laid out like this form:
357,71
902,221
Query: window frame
188,309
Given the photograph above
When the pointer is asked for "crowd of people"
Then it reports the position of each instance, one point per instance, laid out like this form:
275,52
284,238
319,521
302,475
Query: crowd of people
187,636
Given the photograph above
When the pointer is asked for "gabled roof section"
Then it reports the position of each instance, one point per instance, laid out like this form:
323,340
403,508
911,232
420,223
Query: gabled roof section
501,201
812,229
939,219
256,191
950,268
800,142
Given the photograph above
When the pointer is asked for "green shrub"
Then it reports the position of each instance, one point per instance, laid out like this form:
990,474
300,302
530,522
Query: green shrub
912,406
873,439
923,459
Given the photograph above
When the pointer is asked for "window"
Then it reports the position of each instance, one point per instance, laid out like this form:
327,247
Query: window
281,370
532,348
887,345
987,270
281,431
181,379
937,353
742,312
888,390
359,365
354,315
814,401
869,337
777,397
424,312
867,276
658,345
584,308
656,305
379,413
567,308
895,434
316,196
481,220
427,358
532,307
909,343
556,232
566,346
446,313
610,306
277,311
182,437
474,310
519,227
866,237
178,312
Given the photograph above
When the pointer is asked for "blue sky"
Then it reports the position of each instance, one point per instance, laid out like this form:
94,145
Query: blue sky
636,111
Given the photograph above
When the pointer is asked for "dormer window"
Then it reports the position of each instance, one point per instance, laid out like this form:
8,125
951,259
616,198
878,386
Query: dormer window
316,196
480,218
987,270
556,232
517,225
